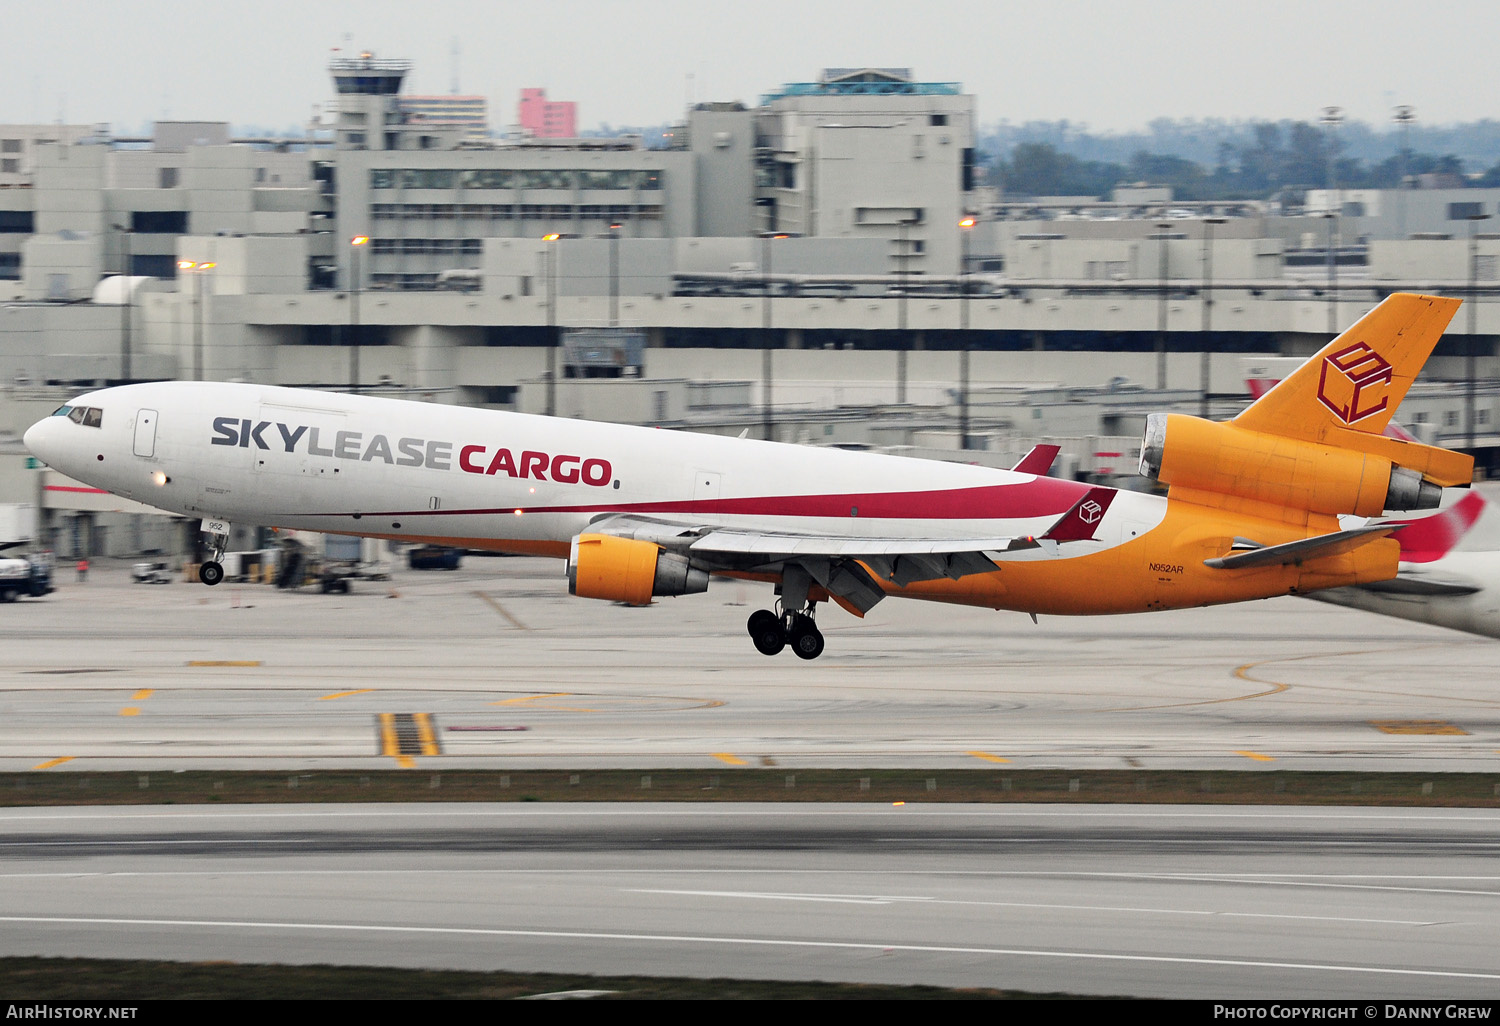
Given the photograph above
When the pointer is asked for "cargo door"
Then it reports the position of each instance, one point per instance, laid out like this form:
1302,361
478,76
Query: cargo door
145,433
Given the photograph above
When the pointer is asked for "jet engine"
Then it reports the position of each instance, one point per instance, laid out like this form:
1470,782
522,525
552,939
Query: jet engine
602,566
1225,459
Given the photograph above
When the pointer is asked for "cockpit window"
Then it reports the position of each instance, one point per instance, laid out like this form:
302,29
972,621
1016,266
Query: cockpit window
88,416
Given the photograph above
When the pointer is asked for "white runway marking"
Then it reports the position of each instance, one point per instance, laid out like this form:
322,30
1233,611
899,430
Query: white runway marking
894,900
637,938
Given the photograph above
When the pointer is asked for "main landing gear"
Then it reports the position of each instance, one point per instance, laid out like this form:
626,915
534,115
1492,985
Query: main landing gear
771,633
211,571
792,623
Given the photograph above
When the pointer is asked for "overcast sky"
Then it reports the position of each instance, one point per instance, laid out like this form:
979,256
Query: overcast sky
1112,66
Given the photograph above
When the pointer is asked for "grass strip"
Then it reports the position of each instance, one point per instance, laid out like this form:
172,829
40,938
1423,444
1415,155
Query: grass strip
125,980
424,784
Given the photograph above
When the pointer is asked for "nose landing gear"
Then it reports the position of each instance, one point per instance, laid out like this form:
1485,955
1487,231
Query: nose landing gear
211,571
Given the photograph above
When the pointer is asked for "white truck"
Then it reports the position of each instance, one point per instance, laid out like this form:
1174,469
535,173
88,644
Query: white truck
21,572
31,576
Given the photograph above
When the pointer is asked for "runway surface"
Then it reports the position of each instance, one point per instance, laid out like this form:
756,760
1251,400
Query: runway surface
1222,903
507,671
501,669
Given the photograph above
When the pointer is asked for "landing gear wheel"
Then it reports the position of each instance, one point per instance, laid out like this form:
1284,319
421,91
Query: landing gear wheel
211,573
766,632
806,639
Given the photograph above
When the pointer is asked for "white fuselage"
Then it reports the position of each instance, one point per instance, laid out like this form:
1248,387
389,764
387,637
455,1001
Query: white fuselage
364,465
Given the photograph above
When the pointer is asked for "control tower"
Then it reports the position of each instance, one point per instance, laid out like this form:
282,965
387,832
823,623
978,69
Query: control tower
369,115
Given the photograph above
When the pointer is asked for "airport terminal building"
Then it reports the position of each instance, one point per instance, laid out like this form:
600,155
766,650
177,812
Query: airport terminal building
824,267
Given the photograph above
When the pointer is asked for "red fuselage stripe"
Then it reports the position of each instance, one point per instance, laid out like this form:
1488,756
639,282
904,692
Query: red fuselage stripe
1041,497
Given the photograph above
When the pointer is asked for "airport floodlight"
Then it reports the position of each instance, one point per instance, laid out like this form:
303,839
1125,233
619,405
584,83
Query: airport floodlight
359,240
967,222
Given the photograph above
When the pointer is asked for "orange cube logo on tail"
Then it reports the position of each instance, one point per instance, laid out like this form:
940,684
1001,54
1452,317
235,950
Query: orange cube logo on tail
1354,383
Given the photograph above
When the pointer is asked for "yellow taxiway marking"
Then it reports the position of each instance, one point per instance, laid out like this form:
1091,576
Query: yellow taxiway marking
391,741
1416,727
54,762
387,733
426,735
139,696
526,700
987,757
1243,673
223,662
1256,756
497,607
346,694
731,758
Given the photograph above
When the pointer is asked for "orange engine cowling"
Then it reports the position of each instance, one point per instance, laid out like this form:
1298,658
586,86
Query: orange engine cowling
602,566
1232,460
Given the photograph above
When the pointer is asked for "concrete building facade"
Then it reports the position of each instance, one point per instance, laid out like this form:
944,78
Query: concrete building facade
795,268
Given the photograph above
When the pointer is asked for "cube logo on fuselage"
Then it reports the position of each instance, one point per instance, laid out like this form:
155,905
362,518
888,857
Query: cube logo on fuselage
412,452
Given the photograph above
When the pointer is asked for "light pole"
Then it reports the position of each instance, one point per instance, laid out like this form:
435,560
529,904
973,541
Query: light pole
1333,278
1161,306
1332,118
198,270
354,247
768,426
614,275
963,326
1208,311
1471,354
127,299
901,271
554,332
1404,116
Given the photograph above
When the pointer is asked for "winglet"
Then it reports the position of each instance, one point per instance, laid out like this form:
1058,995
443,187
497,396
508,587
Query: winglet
1078,523
1038,461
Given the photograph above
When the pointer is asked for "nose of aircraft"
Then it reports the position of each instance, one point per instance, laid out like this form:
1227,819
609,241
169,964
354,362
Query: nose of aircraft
41,440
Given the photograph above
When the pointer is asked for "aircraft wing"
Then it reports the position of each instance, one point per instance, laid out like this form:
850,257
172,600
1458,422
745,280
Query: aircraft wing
844,563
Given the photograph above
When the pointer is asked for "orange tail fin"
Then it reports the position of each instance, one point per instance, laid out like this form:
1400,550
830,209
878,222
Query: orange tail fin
1358,380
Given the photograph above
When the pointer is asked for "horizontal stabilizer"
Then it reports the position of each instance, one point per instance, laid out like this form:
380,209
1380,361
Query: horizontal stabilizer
1415,582
1302,550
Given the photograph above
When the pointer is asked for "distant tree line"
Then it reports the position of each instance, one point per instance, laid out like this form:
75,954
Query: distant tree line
1221,160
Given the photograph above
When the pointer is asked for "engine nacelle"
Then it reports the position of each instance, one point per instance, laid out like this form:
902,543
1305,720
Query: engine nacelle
602,566
1289,472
